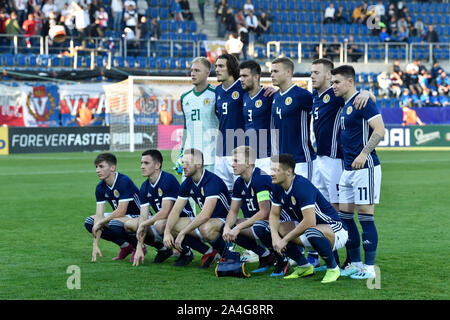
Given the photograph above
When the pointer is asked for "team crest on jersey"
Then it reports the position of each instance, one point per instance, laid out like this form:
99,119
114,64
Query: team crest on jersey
235,95
160,192
258,103
202,191
207,101
293,200
116,193
288,101
349,109
326,99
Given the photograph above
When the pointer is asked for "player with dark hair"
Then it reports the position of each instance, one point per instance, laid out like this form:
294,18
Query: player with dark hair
360,183
257,113
212,196
328,165
229,94
315,224
122,194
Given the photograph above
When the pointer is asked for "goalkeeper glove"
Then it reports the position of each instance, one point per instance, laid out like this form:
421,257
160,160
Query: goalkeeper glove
179,163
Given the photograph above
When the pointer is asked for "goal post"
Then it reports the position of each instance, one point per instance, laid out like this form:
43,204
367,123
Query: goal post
135,106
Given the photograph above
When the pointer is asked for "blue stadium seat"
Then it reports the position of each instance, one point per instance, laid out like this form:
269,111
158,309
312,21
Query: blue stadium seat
31,59
99,62
55,60
141,62
164,13
161,62
43,60
8,59
130,61
20,59
67,61
119,62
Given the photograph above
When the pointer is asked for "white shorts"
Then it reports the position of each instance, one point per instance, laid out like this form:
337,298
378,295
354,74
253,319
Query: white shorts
223,169
263,164
340,239
326,176
360,187
305,169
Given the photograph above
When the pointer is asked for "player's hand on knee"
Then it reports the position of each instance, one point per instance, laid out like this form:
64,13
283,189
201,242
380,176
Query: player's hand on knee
168,241
179,241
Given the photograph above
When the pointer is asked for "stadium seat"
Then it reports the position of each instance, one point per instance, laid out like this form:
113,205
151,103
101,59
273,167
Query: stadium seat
152,63
67,61
141,62
119,62
161,63
55,60
8,59
130,61
20,59
43,60
31,59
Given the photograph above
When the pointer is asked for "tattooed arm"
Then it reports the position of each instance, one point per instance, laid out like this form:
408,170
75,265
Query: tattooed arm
377,125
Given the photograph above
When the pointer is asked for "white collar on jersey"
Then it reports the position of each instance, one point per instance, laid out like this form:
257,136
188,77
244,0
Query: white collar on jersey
114,183
197,184
157,180
262,88
232,85
357,92
283,93
320,95
290,188
250,181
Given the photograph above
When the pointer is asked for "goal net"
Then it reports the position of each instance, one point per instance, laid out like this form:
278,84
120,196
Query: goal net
145,111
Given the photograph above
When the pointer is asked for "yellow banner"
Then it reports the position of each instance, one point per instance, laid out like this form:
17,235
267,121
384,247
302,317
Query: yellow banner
4,149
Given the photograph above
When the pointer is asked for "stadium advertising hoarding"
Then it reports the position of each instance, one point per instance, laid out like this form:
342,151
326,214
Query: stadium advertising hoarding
68,139
416,136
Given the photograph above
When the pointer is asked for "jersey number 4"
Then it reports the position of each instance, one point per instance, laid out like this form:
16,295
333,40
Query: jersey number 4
278,111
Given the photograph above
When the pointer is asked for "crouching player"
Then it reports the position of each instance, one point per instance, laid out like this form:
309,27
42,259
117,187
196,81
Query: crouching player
315,223
122,194
212,196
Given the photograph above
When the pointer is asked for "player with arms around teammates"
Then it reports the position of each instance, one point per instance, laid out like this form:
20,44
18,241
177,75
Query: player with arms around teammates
315,224
200,118
122,194
257,112
213,198
360,183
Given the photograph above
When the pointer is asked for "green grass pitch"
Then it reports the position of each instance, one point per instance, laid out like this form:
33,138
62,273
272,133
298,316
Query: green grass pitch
45,199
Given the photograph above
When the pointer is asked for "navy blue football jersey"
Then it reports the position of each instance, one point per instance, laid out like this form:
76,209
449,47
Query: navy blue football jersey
355,132
166,187
291,117
302,195
257,115
209,186
229,111
247,193
123,189
326,113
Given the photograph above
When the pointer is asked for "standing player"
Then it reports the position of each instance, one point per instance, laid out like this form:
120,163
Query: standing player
257,113
359,186
291,117
159,192
122,194
328,165
315,226
229,108
213,198
200,118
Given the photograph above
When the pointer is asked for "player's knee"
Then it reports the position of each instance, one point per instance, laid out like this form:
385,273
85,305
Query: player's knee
260,228
209,231
89,224
160,225
130,226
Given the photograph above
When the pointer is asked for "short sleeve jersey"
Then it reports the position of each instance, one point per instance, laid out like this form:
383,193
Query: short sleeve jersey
123,189
355,132
209,186
166,187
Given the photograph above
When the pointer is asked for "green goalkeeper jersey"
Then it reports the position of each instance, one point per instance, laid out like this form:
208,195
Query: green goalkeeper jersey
200,122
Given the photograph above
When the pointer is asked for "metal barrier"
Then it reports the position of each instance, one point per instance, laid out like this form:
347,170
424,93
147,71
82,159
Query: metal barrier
21,43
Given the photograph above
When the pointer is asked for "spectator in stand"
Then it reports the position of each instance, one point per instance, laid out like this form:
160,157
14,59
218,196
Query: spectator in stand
352,49
12,28
334,49
443,101
39,17
221,10
201,7
324,50
419,27
380,10
248,6
130,16
48,7
240,18
234,45
176,11
434,99
392,12
141,7
435,72
117,13
424,79
251,22
328,16
186,10
384,84
93,7
143,29
263,24
405,99
396,84
425,97
340,16
384,35
82,21
443,83
155,34
393,27
67,19
101,22
402,35
130,37
230,22
20,6
410,117
243,35
29,27
357,16
431,35
3,19
49,23
412,74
